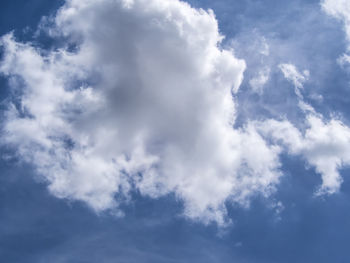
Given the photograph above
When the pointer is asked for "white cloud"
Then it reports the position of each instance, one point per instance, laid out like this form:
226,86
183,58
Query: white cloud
291,73
258,82
325,145
144,103
255,49
297,78
340,9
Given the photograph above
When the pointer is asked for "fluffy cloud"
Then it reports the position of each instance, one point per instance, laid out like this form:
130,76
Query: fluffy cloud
324,144
340,9
144,102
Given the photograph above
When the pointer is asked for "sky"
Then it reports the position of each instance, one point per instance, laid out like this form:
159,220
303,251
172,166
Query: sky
174,131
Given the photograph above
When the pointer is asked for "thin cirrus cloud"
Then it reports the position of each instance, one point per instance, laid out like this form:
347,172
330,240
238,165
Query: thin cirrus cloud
146,102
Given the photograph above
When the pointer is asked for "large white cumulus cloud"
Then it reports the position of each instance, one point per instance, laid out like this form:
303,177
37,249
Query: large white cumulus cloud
143,102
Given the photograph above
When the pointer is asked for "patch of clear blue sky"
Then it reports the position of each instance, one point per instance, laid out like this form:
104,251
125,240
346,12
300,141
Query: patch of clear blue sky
36,227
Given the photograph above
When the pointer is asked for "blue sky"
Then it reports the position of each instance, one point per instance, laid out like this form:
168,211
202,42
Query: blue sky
296,207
